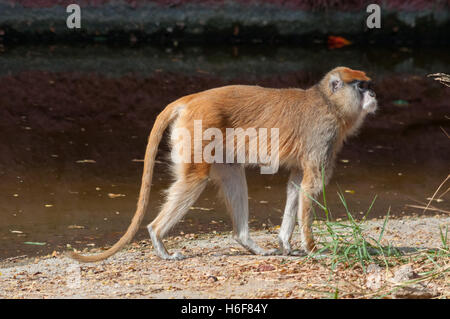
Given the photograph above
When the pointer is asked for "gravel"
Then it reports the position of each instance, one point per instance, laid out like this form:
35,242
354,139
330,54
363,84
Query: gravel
217,267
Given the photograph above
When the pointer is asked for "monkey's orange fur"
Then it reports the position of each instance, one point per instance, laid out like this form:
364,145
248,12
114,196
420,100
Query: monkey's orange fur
348,75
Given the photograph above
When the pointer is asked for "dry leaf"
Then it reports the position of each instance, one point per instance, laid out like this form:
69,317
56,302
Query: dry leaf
200,208
75,227
111,195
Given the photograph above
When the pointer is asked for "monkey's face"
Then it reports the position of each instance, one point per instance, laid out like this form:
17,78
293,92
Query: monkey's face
352,92
367,96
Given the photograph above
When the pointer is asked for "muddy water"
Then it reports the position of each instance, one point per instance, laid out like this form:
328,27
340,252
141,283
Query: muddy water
74,123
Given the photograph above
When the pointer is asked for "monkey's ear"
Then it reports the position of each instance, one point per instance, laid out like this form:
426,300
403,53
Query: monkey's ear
335,83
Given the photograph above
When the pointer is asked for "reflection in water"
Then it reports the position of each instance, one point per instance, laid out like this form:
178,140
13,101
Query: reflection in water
71,142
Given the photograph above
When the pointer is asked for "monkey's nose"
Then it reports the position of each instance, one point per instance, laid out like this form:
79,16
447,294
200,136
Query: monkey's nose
372,93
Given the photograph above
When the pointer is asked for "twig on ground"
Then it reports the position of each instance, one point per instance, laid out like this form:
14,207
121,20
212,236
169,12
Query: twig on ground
425,208
437,190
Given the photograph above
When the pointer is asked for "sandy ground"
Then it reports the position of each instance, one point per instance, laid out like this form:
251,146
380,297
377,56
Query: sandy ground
218,267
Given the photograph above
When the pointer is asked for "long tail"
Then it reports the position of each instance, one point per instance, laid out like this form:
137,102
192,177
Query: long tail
162,122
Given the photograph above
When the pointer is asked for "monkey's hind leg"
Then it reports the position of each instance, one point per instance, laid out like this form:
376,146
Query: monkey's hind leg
181,195
233,185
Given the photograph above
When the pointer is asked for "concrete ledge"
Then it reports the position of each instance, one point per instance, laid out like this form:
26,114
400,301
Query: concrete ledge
234,21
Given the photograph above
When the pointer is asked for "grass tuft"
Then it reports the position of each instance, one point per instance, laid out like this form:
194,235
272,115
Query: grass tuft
346,242
347,245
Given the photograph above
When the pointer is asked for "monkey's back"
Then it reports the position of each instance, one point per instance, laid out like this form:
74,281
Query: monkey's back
301,116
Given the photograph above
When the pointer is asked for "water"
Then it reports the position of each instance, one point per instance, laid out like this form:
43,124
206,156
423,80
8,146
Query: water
75,120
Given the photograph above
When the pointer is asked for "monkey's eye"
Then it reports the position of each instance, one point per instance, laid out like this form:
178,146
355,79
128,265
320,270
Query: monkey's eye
364,85
357,84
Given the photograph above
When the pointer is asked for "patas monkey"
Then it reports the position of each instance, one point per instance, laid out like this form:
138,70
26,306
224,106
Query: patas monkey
312,123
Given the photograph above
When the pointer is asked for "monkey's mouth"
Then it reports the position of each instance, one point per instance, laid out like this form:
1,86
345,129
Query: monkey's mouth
369,101
370,106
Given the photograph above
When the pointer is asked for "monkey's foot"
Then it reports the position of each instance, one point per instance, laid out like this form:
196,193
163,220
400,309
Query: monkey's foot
251,246
174,256
177,256
309,246
287,252
262,252
297,252
284,247
312,251
160,250
273,252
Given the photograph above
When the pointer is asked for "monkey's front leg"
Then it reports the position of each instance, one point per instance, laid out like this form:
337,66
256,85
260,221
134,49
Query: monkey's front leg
290,213
309,189
305,222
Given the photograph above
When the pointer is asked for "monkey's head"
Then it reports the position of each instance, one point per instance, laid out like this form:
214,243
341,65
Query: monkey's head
349,90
